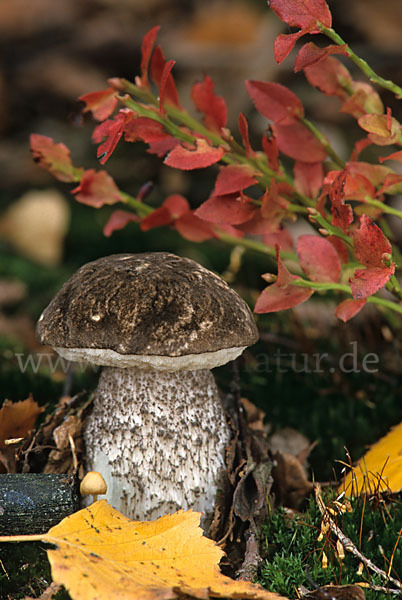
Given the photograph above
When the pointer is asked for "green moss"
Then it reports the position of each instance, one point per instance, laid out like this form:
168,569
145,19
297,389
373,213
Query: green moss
25,571
294,554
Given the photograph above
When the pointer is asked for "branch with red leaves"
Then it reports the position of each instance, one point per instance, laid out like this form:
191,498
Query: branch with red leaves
254,196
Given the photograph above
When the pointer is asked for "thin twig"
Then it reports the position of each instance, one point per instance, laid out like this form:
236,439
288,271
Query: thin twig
347,542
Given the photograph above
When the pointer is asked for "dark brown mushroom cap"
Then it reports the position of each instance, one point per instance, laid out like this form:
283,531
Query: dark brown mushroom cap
147,304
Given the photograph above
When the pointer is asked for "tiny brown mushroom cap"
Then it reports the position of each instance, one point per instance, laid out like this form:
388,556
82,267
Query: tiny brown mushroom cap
147,310
93,484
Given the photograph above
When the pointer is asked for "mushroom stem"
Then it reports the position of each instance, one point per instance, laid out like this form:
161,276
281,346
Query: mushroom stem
159,440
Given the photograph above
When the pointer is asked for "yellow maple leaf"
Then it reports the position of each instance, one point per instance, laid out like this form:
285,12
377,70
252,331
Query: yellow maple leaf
380,469
102,555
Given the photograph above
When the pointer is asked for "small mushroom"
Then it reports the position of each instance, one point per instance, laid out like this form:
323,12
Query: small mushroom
93,485
157,323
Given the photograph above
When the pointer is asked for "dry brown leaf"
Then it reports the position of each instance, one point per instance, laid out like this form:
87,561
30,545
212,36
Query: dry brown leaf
101,554
18,418
380,469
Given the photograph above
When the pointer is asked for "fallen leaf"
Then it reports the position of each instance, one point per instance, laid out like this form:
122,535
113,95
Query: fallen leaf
380,469
18,418
101,554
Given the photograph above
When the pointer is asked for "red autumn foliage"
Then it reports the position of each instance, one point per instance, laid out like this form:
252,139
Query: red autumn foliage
310,54
281,295
96,189
348,230
299,13
232,179
342,214
101,104
212,107
318,258
118,220
275,101
347,309
53,157
203,155
370,243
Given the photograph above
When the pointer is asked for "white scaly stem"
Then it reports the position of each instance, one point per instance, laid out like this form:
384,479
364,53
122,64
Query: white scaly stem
159,439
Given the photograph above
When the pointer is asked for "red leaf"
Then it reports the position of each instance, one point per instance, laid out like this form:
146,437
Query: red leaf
363,100
243,128
310,54
318,258
374,173
391,185
274,101
275,298
270,148
342,214
172,208
298,142
281,238
340,247
110,131
96,189
157,69
232,179
55,158
299,13
229,209
146,50
358,148
347,309
100,104
273,205
118,220
370,243
383,130
213,107
166,81
330,76
281,295
308,178
366,282
285,42
193,228
394,156
358,187
202,156
145,129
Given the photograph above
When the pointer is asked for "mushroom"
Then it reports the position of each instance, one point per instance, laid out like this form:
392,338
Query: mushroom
93,484
157,323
